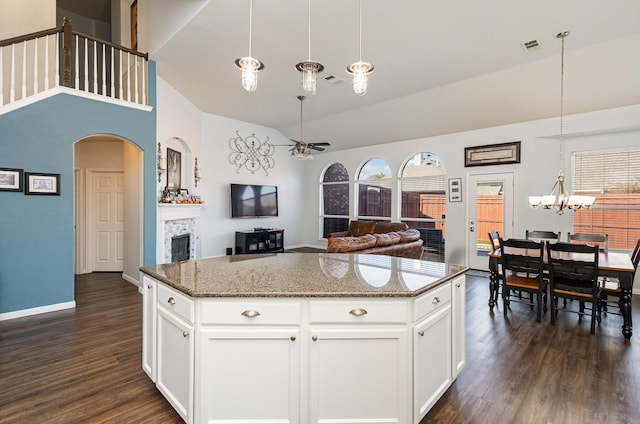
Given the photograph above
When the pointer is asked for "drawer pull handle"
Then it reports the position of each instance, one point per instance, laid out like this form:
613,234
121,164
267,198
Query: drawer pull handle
420,333
293,338
358,312
458,285
251,313
149,286
171,301
435,300
185,334
314,338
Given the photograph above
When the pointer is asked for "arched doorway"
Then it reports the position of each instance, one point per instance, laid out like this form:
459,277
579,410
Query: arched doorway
108,173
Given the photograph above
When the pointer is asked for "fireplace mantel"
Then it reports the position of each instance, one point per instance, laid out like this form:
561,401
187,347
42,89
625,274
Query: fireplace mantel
170,211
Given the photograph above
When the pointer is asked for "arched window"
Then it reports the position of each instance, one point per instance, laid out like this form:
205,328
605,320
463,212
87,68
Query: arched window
423,185
374,191
335,199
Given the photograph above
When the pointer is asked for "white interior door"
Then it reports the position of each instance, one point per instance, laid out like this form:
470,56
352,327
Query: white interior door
108,219
490,208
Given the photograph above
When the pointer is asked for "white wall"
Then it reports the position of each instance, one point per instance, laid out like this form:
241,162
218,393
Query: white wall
133,221
24,17
540,163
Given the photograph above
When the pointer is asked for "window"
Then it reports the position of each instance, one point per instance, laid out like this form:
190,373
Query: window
374,191
613,177
335,199
423,206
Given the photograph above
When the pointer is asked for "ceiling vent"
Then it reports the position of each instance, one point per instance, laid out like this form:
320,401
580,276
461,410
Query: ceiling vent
531,45
333,79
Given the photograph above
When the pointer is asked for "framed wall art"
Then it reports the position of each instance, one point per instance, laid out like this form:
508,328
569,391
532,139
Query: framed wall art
10,179
44,184
174,169
455,189
493,154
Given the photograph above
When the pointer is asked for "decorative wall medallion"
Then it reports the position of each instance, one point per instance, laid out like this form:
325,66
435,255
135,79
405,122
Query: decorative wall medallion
251,153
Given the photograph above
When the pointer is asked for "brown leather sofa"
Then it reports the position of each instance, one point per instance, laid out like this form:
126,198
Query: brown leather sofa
379,238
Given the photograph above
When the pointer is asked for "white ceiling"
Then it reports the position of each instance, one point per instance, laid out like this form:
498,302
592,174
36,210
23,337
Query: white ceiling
416,46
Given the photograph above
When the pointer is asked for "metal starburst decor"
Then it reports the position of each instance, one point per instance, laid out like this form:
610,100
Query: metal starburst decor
251,153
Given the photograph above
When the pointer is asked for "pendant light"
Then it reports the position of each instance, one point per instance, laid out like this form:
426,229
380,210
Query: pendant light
310,69
249,65
559,197
360,70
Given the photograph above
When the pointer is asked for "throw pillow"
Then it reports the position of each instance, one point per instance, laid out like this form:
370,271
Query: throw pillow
387,227
360,228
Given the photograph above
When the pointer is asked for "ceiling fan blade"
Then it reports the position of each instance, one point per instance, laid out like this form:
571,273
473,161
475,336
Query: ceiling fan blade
320,144
314,147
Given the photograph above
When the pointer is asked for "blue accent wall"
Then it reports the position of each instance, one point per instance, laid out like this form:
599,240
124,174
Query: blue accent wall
37,256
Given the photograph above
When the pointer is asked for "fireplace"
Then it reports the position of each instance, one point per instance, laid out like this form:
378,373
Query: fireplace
180,248
175,221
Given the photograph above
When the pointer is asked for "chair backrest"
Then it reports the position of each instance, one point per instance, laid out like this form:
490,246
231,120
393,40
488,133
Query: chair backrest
590,238
494,238
542,235
635,256
522,256
573,265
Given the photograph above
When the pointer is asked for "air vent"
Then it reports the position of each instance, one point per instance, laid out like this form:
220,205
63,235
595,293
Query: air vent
333,79
531,45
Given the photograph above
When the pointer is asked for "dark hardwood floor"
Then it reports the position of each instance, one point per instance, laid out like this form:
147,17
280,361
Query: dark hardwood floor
84,365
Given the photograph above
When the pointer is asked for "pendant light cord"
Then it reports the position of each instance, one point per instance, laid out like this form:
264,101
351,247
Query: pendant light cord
360,31
562,35
309,22
250,23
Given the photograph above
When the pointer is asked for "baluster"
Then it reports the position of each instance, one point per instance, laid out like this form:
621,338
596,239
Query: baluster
104,71
128,77
46,63
24,69
120,75
35,66
12,91
144,81
95,67
136,58
57,65
113,58
1,79
77,61
86,65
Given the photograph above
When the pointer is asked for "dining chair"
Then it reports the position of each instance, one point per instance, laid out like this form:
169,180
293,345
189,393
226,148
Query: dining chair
542,235
590,238
494,238
611,285
573,274
523,270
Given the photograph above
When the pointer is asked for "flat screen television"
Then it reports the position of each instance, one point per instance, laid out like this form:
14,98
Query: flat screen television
251,200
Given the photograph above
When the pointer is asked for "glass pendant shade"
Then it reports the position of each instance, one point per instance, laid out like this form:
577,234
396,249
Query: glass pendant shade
310,70
360,71
250,68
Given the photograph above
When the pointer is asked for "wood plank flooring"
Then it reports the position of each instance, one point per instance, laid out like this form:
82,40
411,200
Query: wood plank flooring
84,365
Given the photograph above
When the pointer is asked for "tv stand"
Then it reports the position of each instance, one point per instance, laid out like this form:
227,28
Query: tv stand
260,241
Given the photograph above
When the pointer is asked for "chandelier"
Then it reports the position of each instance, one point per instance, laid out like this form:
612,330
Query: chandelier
310,69
249,65
360,70
559,197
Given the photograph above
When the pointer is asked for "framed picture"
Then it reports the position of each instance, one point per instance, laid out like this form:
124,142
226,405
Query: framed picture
174,169
455,189
10,179
37,183
494,154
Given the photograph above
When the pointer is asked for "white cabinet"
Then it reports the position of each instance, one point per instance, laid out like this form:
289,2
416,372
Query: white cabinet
358,367
431,350
175,351
458,330
149,299
249,362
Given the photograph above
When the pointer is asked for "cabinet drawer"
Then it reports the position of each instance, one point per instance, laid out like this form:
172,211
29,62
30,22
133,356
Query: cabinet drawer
176,302
250,312
358,311
432,301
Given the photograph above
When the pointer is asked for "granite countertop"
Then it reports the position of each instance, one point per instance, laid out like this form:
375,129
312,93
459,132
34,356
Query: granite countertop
304,275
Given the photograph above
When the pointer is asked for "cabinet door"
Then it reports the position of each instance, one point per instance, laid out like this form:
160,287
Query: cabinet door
359,375
149,297
432,360
249,375
458,300
175,362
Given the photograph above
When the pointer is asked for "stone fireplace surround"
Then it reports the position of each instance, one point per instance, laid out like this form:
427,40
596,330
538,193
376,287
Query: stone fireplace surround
175,220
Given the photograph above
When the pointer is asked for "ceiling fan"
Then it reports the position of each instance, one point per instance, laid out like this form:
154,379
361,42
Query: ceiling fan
302,150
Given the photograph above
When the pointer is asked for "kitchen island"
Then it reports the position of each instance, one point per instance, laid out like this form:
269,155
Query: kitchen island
303,337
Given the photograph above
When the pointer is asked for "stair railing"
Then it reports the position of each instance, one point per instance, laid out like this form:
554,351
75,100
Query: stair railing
37,62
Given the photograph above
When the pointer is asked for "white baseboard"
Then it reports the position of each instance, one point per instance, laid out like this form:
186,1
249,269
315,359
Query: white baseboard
39,310
131,279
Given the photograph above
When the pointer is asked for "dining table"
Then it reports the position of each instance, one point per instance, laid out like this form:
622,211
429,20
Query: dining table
610,264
